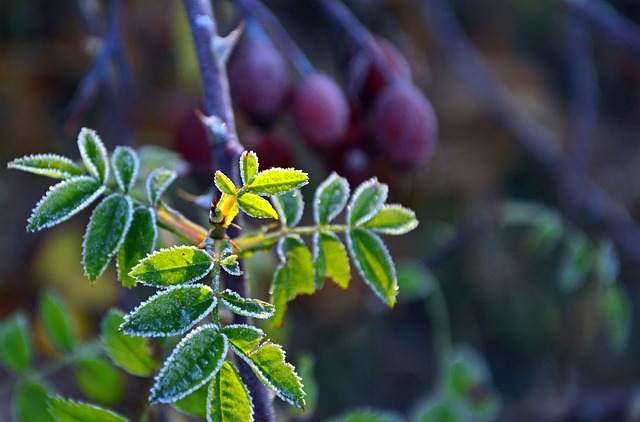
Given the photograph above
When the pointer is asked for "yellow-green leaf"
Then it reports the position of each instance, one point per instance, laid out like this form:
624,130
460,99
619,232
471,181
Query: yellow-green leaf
366,202
228,398
256,206
330,260
277,181
224,184
248,166
393,219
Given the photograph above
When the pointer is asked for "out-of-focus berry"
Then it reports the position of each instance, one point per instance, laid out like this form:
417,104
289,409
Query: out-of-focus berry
353,163
259,78
320,111
404,125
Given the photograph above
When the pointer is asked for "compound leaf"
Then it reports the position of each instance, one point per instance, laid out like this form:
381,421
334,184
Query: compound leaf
63,201
170,267
194,361
330,198
374,263
393,219
99,380
254,308
268,363
244,339
130,353
330,260
289,206
30,403
256,206
170,312
51,165
105,233
157,183
224,184
277,181
366,202
70,411
56,321
138,243
94,154
248,166
228,398
125,164
15,343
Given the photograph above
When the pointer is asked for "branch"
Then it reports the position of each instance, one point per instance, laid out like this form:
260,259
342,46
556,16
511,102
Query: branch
608,19
593,204
212,52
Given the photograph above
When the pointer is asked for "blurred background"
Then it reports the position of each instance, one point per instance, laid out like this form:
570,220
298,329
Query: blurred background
519,292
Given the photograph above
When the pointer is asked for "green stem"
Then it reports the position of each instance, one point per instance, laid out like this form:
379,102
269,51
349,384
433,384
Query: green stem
264,240
438,311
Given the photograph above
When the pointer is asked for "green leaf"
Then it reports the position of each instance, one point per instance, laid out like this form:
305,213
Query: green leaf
615,305
228,398
195,404
546,224
330,260
15,343
194,361
56,321
130,353
330,198
94,154
170,267
393,219
105,233
99,380
63,201
224,184
230,265
170,312
374,263
268,363
30,403
248,166
366,202
289,206
277,181
305,365
415,280
256,206
293,276
243,338
157,183
70,411
50,165
466,370
254,308
125,164
138,243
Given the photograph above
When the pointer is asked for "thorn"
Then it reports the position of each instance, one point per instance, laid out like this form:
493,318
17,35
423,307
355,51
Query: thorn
235,226
224,46
235,245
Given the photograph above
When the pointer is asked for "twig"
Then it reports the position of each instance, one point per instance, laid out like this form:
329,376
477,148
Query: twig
607,18
593,204
219,123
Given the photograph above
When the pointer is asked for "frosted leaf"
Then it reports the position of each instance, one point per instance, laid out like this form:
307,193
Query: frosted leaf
366,202
277,181
170,312
253,308
193,362
393,219
330,260
126,165
138,243
289,206
224,184
63,201
130,353
330,198
94,154
256,206
228,399
244,338
50,165
105,233
157,183
69,410
176,265
248,166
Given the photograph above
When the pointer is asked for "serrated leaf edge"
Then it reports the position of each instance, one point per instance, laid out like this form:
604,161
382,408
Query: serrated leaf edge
160,188
127,224
50,399
161,250
172,357
155,239
298,186
76,210
155,296
44,172
241,166
405,228
279,207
